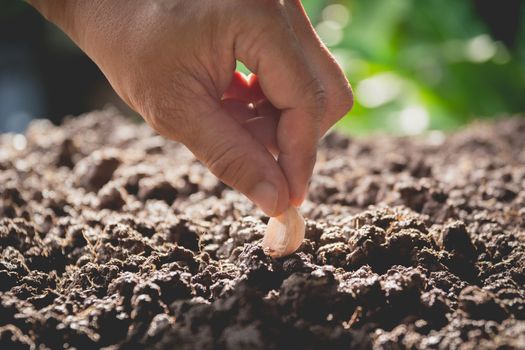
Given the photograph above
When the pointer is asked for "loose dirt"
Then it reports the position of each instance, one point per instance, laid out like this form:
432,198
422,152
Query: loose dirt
112,237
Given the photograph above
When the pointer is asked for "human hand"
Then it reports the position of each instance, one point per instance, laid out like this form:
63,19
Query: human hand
173,62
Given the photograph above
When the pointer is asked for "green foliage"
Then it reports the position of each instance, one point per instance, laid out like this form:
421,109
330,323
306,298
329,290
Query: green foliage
419,64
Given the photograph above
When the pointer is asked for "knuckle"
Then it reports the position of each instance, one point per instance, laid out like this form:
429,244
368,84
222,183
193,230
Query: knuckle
341,103
347,99
320,98
317,100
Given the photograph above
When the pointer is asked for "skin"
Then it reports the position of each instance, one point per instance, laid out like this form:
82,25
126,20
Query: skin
173,62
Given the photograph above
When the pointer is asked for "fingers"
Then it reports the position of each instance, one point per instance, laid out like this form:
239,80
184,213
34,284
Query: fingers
244,88
273,53
218,139
259,119
245,101
239,88
339,97
238,159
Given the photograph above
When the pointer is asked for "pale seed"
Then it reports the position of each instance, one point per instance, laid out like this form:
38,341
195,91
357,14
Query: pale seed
284,233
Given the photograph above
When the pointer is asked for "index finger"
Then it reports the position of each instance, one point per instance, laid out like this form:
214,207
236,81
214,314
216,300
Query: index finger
273,52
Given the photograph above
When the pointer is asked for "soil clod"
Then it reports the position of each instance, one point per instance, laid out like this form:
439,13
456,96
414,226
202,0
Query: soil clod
119,240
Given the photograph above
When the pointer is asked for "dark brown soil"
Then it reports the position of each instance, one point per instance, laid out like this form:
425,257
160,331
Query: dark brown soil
112,237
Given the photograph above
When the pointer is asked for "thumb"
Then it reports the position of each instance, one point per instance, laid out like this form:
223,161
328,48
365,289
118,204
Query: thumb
238,159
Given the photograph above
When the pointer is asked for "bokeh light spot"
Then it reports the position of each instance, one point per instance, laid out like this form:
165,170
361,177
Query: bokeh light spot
414,120
481,48
379,89
330,32
337,13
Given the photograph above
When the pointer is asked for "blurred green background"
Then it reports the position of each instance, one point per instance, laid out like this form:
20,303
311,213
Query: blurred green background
418,64
414,64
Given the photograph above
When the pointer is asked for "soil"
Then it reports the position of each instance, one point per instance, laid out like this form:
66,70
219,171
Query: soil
112,237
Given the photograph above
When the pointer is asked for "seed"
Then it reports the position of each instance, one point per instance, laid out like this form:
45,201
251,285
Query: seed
284,233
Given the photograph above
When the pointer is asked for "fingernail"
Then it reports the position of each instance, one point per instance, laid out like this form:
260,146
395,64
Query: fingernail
297,202
264,195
